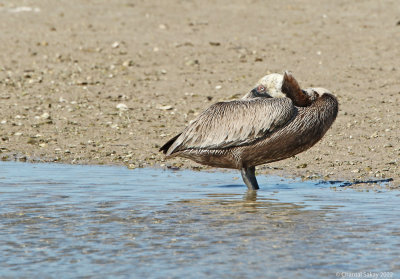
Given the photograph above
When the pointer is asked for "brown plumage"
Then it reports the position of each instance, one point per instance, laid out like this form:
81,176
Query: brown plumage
244,133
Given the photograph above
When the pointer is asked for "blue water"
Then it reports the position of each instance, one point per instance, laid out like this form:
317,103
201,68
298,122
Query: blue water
110,222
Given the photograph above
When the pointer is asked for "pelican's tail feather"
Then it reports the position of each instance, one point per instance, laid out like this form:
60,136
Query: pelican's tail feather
168,144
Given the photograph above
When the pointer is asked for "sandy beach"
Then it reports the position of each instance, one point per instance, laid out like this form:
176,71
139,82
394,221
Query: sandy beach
108,82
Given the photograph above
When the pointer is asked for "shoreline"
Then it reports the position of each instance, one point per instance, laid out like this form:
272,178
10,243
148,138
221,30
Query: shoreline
366,184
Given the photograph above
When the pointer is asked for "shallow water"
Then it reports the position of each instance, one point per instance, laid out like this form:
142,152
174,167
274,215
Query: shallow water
97,221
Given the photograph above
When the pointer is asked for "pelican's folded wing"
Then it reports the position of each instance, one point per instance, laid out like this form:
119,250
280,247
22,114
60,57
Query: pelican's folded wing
234,123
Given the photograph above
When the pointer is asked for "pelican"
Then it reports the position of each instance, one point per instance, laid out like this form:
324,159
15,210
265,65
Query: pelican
274,121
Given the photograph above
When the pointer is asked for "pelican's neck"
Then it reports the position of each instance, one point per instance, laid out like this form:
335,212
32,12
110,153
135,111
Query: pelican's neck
292,90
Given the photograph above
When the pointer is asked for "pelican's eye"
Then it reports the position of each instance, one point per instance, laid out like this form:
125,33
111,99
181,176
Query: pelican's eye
261,89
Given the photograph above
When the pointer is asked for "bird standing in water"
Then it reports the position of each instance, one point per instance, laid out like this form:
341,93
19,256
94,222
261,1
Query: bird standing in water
275,121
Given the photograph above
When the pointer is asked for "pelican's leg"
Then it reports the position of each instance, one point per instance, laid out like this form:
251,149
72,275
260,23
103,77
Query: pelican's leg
249,178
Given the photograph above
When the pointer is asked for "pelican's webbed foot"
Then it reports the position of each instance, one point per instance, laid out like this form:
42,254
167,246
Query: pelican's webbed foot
249,178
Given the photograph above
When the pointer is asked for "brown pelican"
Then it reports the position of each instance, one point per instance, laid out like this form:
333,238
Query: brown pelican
275,121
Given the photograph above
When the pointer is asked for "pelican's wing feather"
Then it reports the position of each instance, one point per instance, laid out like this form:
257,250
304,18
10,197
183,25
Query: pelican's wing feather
234,123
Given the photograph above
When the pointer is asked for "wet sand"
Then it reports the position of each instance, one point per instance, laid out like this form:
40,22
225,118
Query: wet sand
109,82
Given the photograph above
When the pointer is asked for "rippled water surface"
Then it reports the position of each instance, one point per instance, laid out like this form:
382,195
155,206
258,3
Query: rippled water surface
95,221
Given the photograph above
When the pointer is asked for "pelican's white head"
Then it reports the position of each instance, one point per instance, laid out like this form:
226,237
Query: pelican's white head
269,86
273,85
